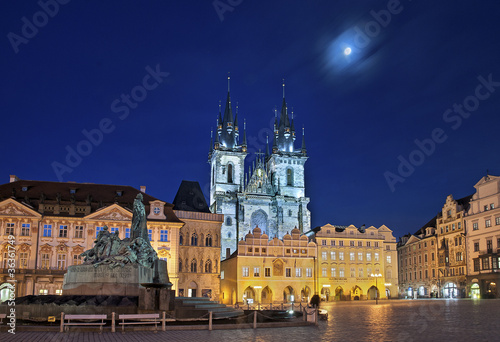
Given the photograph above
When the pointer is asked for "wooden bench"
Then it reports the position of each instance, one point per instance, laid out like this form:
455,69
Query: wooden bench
66,325
139,319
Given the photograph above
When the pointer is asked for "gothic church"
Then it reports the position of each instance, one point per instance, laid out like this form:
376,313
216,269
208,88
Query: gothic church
271,194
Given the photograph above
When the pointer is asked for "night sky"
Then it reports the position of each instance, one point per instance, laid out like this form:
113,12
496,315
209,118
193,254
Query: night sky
426,70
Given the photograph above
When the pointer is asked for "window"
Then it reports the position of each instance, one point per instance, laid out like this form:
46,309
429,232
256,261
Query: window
475,226
256,271
476,265
341,272
245,271
368,243
127,233
323,272
25,229
61,261
298,272
264,250
289,177
368,256
9,228
63,231
476,246
388,248
353,272
459,226
486,208
360,273
447,229
45,261
426,274
487,223
351,243
360,243
97,230
164,235
208,266
449,213
432,256
459,256
341,255
288,272
489,245
453,226
267,271
434,273
79,232
180,265
360,256
425,257
222,275
194,240
497,220
194,266
376,257
181,239
289,212
230,173
486,263
23,260
492,206
323,242
77,259
43,292
229,221
323,255
150,234
114,230
208,241
309,272
333,256
47,230
376,243
388,257
341,243
332,242
351,256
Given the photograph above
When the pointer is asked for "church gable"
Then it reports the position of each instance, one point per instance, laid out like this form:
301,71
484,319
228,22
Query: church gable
113,213
11,207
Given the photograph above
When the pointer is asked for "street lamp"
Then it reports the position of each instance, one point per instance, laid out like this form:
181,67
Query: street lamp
376,276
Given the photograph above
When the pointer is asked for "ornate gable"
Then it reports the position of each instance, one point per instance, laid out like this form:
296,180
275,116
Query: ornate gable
112,213
11,207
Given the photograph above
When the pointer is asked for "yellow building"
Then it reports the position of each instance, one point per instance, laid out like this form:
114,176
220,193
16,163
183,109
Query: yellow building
51,223
451,248
349,256
269,271
199,244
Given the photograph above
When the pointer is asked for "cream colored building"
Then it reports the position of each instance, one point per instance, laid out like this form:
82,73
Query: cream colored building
269,271
347,258
451,248
418,263
483,239
52,223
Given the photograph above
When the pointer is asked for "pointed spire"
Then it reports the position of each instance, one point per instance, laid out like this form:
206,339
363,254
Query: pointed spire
228,82
303,141
219,118
283,88
236,118
244,145
267,145
293,127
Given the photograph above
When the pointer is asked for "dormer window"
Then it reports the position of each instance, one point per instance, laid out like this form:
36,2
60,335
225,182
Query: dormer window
24,188
72,191
156,210
119,193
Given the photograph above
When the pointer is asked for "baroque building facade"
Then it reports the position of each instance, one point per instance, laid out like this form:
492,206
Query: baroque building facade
52,223
483,239
263,271
348,257
271,194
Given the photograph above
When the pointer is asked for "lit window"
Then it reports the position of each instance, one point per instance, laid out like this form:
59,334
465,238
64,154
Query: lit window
333,272
47,230
323,255
351,256
341,272
63,231
360,256
341,255
389,259
332,256
475,226
25,229
368,256
23,260
79,232
298,272
323,272
150,234
97,230
164,235
45,261
61,261
360,273
9,228
376,257
127,232
246,271
309,272
487,223
256,271
77,259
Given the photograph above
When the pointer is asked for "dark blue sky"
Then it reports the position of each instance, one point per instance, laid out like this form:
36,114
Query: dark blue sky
361,112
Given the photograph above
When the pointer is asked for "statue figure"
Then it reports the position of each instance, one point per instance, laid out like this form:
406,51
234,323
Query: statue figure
139,227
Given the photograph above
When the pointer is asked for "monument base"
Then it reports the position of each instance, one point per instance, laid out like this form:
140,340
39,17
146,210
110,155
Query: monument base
122,281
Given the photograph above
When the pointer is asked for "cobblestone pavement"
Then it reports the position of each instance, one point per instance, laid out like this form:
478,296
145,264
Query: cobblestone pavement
397,320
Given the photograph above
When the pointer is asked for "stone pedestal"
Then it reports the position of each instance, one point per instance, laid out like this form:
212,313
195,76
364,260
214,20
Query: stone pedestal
122,281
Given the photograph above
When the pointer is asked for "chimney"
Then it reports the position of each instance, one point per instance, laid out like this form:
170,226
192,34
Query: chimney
228,253
143,188
13,178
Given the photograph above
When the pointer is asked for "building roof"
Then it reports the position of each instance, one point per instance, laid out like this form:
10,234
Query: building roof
189,197
96,196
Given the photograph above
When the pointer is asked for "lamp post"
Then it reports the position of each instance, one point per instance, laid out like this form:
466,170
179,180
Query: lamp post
376,276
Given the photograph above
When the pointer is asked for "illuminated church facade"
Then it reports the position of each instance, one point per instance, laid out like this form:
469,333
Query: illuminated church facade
270,194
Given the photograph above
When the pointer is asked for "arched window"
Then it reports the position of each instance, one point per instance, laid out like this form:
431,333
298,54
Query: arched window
230,173
193,266
208,266
180,265
194,240
181,240
289,177
208,240
229,221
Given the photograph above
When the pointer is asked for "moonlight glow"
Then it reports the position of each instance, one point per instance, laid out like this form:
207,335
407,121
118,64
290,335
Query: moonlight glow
347,51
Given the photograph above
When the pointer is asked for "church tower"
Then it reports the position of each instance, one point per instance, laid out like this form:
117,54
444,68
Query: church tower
227,165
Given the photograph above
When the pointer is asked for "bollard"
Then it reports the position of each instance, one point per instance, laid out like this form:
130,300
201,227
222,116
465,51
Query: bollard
281,306
255,319
163,321
304,310
316,316
210,321
62,322
113,327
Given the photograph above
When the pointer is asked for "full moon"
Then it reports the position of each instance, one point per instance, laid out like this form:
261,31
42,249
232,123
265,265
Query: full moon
347,51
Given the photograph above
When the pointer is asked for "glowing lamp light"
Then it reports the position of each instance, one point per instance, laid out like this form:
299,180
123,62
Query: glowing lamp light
257,287
327,285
